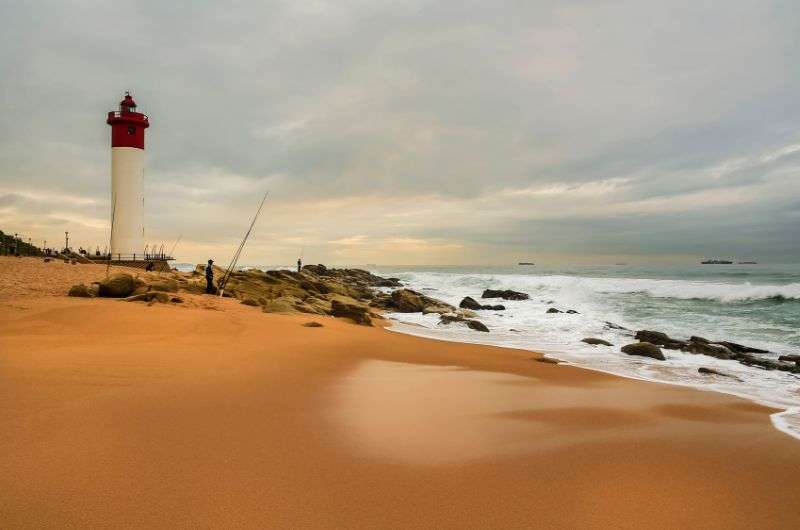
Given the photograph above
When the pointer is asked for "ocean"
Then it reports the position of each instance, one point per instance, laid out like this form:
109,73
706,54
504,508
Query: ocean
756,305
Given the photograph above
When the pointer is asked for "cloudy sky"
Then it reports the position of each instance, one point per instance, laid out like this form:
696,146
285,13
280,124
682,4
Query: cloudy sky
414,132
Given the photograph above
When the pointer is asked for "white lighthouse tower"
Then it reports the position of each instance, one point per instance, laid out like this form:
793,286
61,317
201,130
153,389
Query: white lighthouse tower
127,179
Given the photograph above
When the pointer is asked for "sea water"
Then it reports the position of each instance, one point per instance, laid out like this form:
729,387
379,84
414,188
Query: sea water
756,305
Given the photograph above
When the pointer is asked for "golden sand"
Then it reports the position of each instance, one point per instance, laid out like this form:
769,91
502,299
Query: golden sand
214,414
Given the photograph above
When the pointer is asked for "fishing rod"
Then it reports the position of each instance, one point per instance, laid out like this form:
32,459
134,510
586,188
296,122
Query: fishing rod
238,252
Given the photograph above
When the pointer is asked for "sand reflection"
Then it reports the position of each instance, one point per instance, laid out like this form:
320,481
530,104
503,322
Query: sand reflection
432,414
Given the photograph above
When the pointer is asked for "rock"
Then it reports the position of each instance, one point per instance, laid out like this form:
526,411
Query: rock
117,285
408,301
653,337
477,325
611,325
166,285
709,371
358,314
767,364
470,303
250,302
553,310
674,345
151,296
176,300
80,291
702,348
312,324
282,304
644,349
506,294
472,324
695,338
739,348
794,358
594,342
572,312
466,313
438,309
546,360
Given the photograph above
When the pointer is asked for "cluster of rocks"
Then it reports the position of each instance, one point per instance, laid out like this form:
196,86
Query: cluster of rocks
354,294
651,344
130,288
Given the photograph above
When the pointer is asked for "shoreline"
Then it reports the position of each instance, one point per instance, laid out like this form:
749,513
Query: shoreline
212,413
777,418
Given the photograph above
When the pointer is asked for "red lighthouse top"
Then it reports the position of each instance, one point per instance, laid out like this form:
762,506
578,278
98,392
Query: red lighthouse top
127,125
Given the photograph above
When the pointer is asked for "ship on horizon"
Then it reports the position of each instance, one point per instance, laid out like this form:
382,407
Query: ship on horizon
716,262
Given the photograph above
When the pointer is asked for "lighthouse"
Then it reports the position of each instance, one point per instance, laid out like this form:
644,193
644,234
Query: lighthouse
127,179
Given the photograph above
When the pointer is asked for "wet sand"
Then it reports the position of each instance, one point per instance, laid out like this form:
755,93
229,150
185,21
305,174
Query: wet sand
214,414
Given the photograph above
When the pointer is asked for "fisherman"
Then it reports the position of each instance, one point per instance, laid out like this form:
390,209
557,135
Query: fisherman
299,264
210,277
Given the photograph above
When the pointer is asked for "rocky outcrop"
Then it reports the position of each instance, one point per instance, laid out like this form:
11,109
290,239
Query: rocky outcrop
250,302
794,358
506,294
644,349
356,313
470,303
553,310
595,342
712,350
119,285
312,324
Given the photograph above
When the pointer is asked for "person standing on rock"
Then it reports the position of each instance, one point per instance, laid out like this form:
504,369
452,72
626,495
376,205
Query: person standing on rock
299,264
210,277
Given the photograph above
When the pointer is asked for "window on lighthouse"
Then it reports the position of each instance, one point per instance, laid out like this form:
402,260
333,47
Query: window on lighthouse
131,130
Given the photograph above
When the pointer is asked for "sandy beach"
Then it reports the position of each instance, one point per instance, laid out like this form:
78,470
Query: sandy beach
214,414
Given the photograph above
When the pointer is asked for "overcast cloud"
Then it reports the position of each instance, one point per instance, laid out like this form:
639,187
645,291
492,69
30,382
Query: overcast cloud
414,132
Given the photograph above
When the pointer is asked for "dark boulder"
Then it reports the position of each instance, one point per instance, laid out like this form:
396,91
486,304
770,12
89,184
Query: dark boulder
477,325
674,345
595,342
653,337
356,313
644,349
749,359
572,312
739,348
712,350
794,358
117,285
470,303
695,338
553,310
471,324
506,294
312,324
